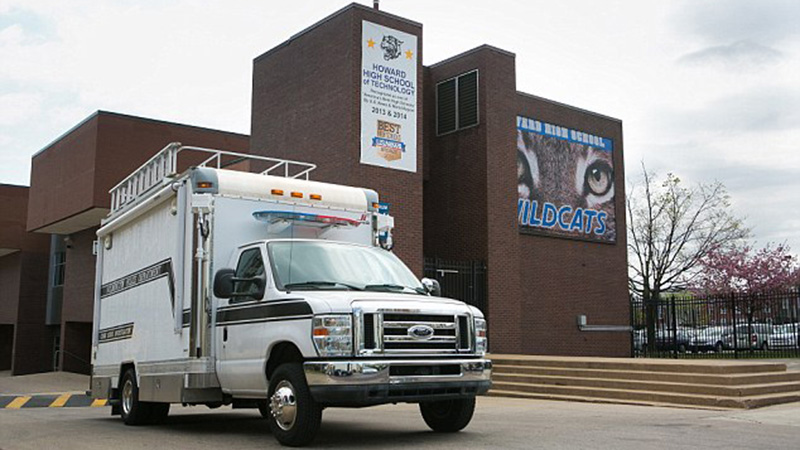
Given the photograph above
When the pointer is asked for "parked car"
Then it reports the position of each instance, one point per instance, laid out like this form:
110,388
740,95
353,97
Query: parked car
748,336
708,339
667,340
784,336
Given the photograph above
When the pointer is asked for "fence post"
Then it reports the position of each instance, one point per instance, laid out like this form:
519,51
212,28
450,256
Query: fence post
733,321
674,325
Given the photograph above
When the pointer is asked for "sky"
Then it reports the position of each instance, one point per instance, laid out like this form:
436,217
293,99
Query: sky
708,90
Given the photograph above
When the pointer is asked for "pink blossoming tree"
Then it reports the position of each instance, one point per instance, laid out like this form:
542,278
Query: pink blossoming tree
744,269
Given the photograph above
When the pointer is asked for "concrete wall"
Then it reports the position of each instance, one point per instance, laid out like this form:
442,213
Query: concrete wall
306,106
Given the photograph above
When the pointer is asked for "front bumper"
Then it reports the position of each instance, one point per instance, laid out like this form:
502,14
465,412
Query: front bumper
373,382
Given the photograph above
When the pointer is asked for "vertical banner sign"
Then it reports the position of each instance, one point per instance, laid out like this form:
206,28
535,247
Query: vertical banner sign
388,98
565,182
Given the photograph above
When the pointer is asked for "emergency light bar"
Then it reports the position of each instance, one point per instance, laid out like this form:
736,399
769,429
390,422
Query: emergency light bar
314,220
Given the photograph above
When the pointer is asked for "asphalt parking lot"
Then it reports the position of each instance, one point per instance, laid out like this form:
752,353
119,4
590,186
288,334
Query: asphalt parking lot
498,423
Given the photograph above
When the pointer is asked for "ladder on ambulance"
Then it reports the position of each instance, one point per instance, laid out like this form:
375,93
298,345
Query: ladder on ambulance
162,168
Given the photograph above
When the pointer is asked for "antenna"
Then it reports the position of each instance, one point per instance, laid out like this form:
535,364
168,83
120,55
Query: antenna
376,4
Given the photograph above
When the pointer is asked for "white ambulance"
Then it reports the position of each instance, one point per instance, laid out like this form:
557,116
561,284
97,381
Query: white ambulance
223,287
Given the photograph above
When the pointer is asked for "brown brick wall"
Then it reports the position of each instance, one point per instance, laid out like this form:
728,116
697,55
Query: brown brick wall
537,285
62,176
470,191
78,297
76,347
92,158
563,278
306,106
9,290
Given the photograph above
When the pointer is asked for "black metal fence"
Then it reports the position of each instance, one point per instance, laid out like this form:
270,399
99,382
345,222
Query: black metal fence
758,325
462,280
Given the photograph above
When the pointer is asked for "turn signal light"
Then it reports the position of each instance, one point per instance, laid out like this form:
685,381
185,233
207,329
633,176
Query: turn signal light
204,184
320,332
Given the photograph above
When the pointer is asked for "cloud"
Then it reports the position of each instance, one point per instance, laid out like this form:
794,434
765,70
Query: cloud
764,109
765,21
742,56
18,107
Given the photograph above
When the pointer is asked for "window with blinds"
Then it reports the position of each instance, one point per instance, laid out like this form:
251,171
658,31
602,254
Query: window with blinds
457,103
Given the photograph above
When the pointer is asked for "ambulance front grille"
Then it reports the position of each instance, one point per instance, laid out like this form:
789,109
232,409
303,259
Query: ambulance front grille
410,333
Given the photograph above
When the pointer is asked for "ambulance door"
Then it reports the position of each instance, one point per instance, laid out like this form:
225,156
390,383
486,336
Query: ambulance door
240,334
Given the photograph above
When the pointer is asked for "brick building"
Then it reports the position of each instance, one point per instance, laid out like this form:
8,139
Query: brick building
25,341
70,180
476,173
461,203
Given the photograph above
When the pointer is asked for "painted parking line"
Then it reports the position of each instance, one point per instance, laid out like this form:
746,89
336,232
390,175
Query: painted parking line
66,400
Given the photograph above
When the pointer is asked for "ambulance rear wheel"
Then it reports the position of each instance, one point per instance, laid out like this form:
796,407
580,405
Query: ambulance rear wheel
294,416
133,411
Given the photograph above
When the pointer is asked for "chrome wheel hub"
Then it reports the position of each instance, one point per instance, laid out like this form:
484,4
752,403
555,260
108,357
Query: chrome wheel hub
283,405
127,397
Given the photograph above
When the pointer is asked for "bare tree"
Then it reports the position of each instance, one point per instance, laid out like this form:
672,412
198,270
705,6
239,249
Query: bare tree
671,227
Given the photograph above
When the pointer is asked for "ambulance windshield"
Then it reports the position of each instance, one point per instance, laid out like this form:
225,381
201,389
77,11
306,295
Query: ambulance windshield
326,265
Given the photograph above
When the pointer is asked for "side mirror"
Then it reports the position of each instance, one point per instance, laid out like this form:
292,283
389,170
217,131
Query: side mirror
260,283
223,283
432,286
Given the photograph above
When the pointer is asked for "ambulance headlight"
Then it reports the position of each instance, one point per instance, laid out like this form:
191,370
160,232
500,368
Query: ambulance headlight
481,340
333,335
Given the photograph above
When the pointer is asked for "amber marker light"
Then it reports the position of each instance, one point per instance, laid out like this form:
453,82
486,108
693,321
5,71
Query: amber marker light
277,192
297,194
320,331
315,197
376,205
204,184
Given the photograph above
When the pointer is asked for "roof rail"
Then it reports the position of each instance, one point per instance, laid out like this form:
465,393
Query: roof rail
163,166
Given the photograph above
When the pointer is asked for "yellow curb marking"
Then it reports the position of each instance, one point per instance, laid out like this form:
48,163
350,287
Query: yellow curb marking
99,402
60,401
18,402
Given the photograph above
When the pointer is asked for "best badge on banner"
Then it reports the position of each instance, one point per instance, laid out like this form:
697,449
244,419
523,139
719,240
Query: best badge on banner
388,98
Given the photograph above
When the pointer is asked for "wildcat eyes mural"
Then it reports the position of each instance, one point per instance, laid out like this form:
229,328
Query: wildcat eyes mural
565,181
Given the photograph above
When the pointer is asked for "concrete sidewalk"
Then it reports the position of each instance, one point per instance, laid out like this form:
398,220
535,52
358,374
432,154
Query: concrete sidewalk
43,383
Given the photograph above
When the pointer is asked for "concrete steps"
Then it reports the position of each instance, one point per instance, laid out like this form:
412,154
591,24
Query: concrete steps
693,383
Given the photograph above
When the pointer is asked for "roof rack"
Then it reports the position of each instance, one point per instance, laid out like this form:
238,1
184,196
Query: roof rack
162,168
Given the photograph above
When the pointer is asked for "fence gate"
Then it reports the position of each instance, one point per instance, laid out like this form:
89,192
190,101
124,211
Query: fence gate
461,280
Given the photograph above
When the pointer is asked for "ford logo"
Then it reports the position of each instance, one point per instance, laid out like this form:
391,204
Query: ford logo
421,332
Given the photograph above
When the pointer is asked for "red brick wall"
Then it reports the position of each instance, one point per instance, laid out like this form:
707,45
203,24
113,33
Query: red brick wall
306,106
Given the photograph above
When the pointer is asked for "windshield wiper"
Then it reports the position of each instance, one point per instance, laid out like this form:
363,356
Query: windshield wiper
392,287
320,285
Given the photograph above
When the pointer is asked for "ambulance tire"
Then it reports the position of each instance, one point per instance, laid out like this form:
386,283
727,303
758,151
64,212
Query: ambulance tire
448,416
294,417
133,411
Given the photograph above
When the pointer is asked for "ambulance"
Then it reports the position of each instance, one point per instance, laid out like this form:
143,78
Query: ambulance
231,279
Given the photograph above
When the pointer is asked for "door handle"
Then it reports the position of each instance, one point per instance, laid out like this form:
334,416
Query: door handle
225,334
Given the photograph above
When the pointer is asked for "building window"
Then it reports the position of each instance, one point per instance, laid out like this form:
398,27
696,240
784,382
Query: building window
59,265
457,103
